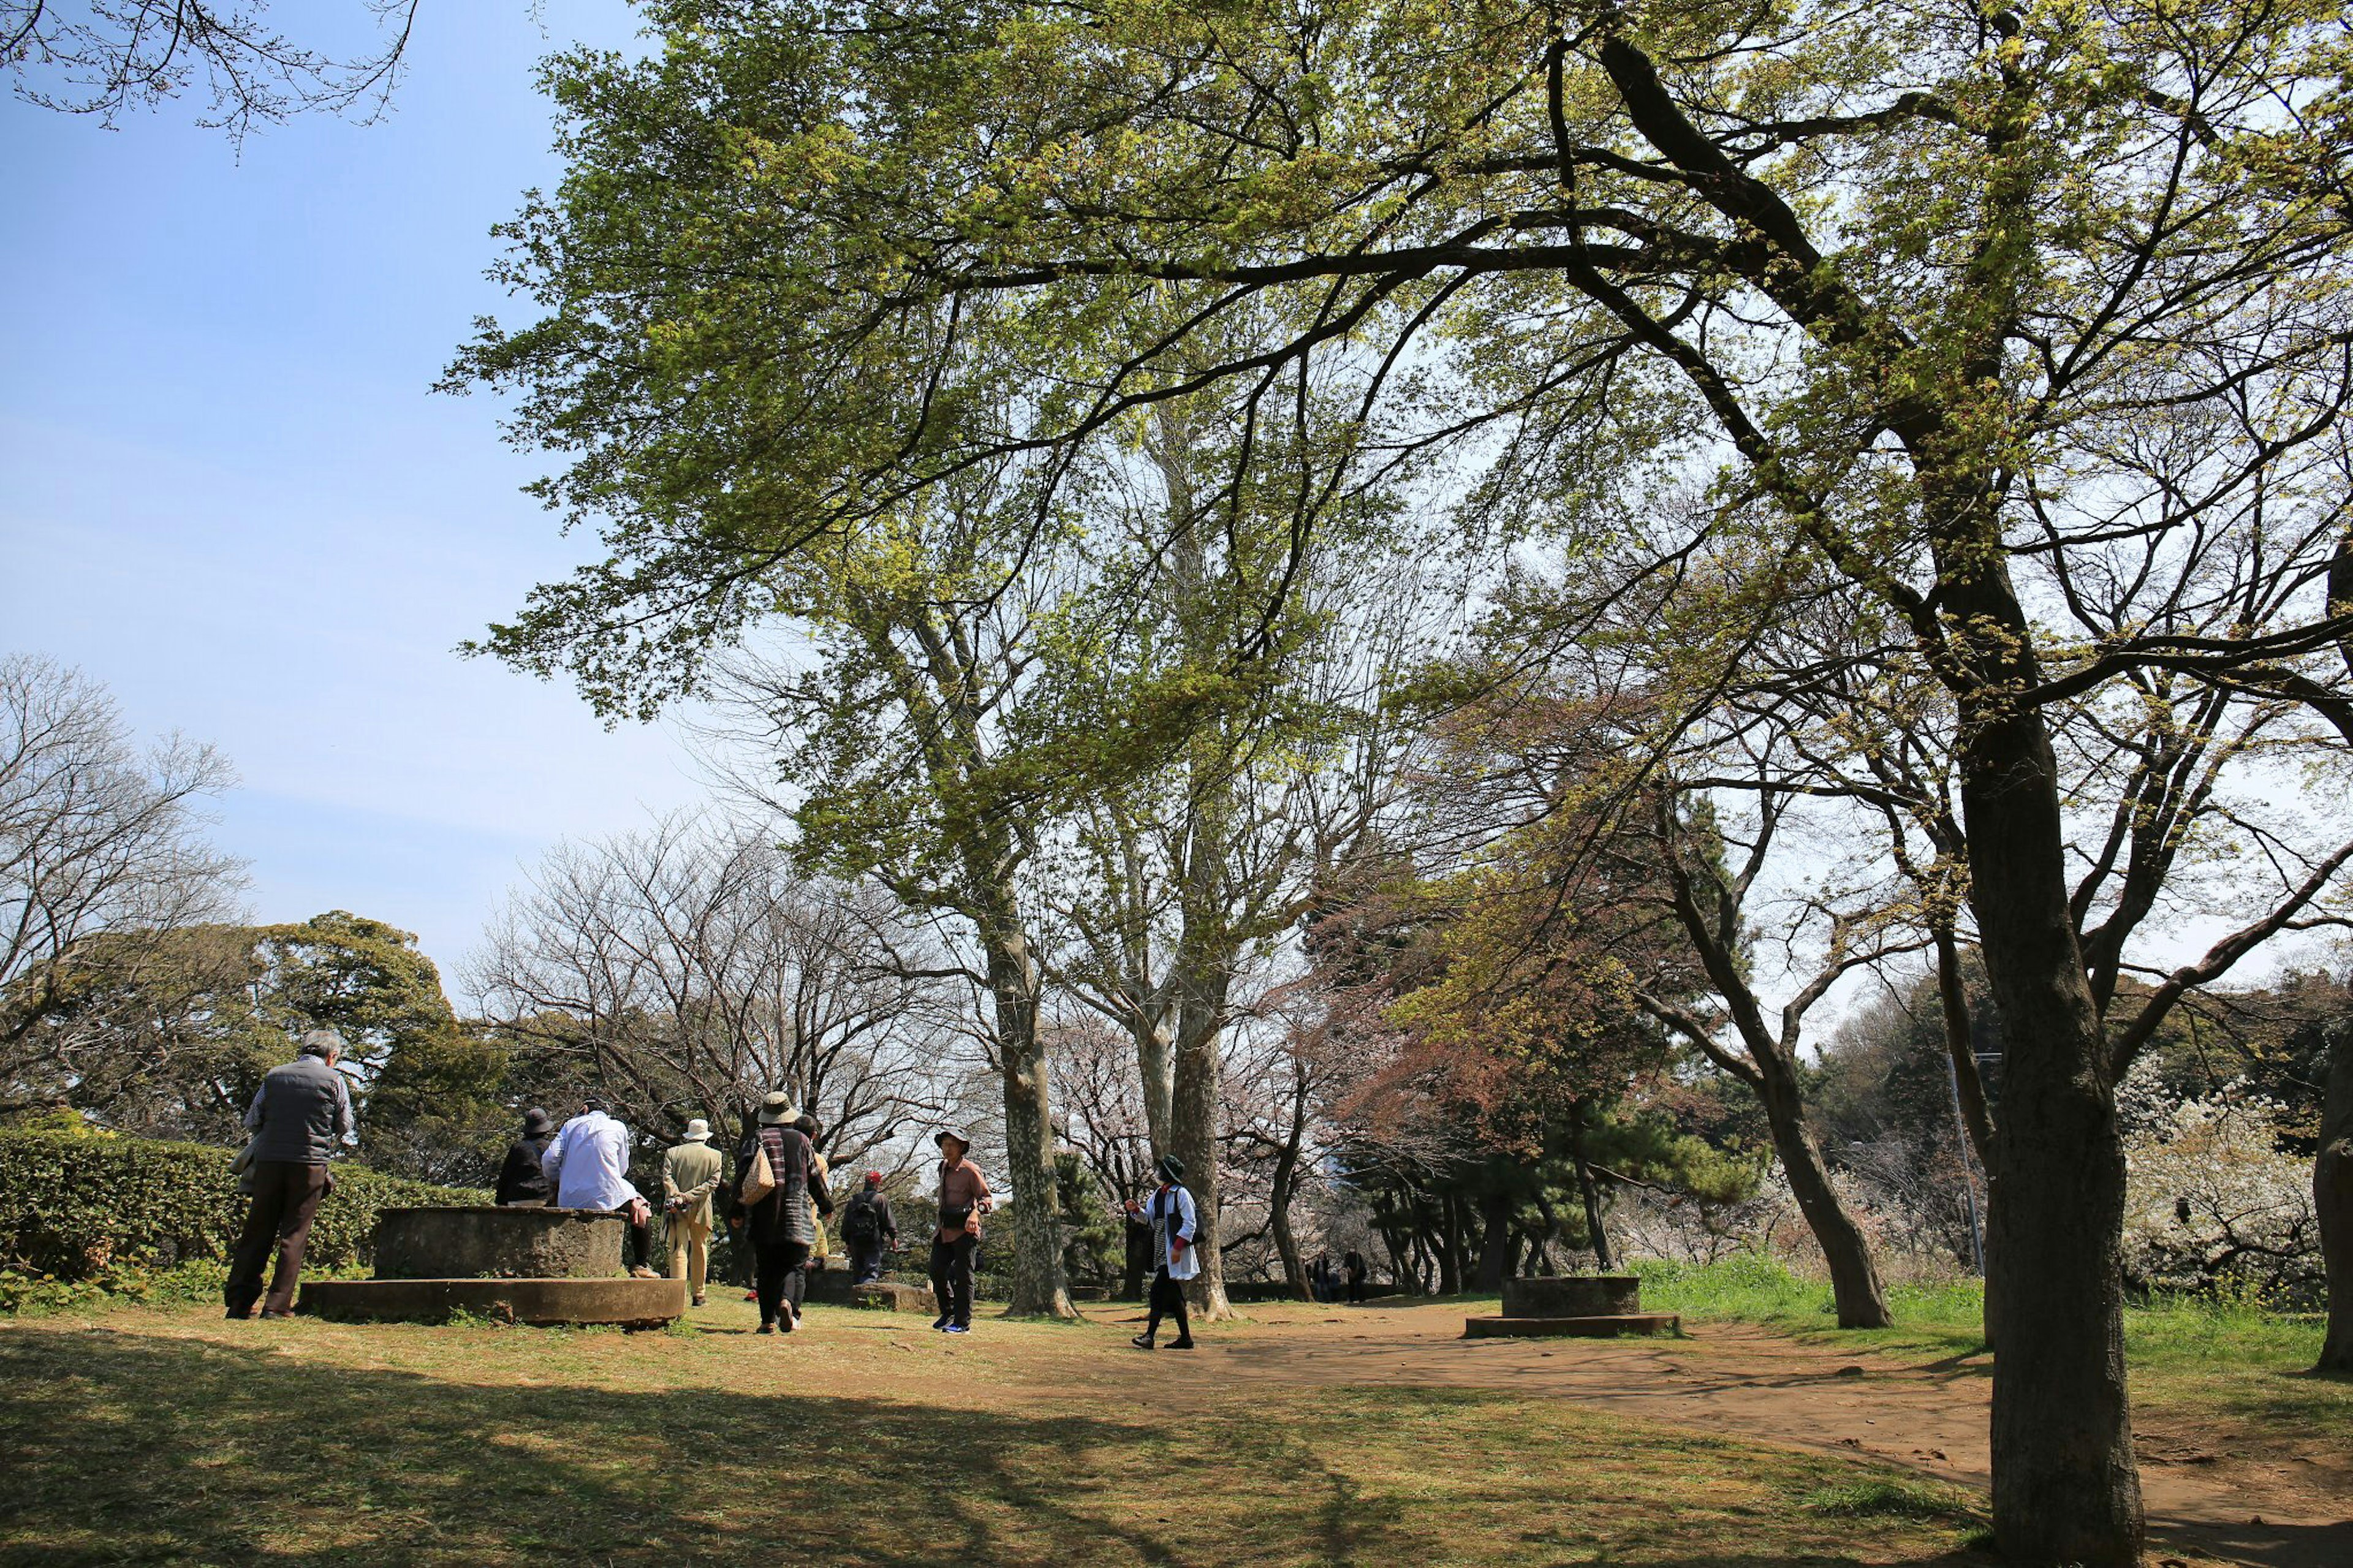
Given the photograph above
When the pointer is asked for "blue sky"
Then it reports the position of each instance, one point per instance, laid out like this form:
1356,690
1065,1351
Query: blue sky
227,492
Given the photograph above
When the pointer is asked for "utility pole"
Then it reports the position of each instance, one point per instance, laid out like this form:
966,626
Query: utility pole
1968,1165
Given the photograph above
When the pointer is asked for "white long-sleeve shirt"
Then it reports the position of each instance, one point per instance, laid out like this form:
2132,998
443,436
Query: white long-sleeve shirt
588,1163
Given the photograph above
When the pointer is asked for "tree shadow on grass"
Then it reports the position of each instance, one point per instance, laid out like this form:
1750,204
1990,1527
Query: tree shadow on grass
129,1447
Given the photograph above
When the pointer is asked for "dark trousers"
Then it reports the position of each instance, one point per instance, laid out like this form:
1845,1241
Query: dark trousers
783,1273
952,1277
285,1201
640,1241
865,1261
1168,1299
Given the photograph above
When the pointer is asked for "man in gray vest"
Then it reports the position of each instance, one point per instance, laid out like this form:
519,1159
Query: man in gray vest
301,1115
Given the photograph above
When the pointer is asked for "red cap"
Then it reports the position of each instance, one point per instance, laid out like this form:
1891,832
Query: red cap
874,1178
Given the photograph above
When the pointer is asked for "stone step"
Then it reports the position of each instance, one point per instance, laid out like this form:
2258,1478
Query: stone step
1600,1326
633,1304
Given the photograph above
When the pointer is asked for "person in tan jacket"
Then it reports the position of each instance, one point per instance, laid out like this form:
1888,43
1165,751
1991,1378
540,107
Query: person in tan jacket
690,1176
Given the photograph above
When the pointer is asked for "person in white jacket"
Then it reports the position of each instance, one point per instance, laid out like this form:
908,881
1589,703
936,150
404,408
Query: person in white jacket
587,1166
1176,1226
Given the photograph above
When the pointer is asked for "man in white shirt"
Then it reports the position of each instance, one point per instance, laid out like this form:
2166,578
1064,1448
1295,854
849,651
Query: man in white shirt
587,1166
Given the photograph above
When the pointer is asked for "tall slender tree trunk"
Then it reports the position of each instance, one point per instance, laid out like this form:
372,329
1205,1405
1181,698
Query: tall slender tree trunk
1038,1285
1450,1245
1283,1184
1494,1240
1855,1288
1286,1245
1588,1189
2332,1199
2065,1489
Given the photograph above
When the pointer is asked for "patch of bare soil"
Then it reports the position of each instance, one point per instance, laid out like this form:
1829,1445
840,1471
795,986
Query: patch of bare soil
2207,1496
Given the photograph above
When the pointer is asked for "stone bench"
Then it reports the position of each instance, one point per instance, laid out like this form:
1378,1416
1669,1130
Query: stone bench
1583,1306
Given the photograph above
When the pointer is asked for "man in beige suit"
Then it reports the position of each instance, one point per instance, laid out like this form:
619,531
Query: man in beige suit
690,1176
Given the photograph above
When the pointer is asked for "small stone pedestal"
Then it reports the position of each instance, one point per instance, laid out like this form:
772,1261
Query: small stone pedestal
522,1265
832,1287
1587,1306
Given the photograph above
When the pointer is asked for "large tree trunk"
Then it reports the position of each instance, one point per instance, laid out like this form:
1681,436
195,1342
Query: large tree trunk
2332,1200
1037,1271
1855,1288
2065,1489
1156,1058
1193,1136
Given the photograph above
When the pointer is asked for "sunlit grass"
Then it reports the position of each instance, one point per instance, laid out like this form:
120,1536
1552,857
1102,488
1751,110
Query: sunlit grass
148,1434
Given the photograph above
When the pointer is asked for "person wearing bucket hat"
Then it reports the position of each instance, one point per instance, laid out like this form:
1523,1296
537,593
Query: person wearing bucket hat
690,1171
521,1179
779,1221
1175,1225
964,1198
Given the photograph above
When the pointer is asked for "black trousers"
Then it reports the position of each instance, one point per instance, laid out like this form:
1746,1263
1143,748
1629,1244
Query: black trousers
783,1275
952,1277
285,1201
1168,1298
865,1260
640,1240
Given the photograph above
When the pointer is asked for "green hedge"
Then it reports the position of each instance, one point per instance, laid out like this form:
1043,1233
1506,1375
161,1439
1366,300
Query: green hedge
75,1206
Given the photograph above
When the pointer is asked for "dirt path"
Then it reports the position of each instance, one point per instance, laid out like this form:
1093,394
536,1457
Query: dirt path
2287,1509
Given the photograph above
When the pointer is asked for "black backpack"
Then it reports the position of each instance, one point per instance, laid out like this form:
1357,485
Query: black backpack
860,1222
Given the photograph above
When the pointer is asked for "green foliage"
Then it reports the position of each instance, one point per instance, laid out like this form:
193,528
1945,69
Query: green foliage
1094,1239
182,1025
79,1206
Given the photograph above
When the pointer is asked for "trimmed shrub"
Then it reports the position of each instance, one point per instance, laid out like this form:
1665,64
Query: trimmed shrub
75,1206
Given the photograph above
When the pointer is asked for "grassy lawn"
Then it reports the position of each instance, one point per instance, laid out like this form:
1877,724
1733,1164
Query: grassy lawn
2229,1371
153,1434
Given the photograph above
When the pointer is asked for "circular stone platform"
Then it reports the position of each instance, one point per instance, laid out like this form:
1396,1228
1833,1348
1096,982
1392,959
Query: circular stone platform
632,1303
1585,1306
477,1242
527,1264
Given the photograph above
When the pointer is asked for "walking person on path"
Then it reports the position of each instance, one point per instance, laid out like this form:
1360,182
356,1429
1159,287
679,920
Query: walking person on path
523,1180
300,1116
1175,1224
779,1223
964,1198
588,1163
690,1176
1354,1266
868,1230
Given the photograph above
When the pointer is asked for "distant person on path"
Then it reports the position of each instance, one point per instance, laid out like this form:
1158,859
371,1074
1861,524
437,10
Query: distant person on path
690,1176
868,1230
300,1116
1175,1225
523,1178
1354,1264
964,1198
780,1224
588,1163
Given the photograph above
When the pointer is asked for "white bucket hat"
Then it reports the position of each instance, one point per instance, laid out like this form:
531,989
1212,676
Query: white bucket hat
697,1131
